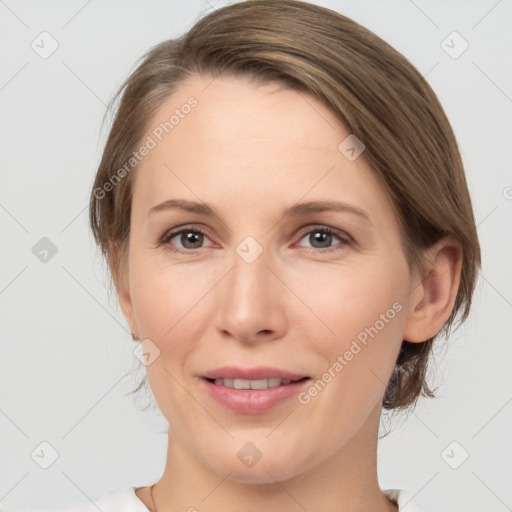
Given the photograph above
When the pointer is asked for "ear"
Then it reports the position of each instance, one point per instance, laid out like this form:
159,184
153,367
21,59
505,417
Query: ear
434,293
121,282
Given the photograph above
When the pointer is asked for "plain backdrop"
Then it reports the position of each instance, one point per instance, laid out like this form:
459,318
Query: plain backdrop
66,356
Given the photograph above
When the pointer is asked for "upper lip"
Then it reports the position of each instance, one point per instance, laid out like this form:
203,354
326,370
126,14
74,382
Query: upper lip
256,373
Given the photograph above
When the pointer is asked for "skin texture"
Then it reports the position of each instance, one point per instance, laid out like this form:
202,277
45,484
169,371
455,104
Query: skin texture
250,151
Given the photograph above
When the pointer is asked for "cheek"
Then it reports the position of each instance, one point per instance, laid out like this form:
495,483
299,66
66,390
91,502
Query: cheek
356,338
167,306
172,305
166,296
362,310
349,300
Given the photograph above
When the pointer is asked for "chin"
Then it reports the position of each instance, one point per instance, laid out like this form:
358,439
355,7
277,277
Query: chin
257,476
266,470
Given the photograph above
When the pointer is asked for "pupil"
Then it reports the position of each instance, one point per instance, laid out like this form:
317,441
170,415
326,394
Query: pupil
322,238
192,238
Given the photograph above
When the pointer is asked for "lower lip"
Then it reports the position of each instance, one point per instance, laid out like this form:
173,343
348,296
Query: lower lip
253,401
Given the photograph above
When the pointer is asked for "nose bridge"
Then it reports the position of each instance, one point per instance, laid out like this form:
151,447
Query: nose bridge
250,302
249,279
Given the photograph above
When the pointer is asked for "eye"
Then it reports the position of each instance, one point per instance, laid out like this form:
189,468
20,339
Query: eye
321,238
189,238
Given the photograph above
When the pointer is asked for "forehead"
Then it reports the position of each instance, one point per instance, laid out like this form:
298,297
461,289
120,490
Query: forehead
258,144
230,111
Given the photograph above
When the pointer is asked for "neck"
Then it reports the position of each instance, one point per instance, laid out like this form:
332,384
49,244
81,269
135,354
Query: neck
345,481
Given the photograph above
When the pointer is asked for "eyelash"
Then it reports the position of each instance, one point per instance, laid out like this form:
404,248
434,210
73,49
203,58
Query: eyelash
346,239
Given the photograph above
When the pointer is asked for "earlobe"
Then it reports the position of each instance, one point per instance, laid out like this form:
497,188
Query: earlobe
433,298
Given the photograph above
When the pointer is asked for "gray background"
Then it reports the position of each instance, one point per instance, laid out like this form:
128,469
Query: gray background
65,348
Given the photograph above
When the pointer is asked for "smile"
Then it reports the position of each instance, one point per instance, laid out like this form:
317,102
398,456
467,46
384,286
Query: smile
253,384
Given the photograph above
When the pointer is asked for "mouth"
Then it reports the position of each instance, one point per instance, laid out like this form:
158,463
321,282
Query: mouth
253,396
271,382
252,390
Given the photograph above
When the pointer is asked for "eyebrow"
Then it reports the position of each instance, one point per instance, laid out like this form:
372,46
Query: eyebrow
294,211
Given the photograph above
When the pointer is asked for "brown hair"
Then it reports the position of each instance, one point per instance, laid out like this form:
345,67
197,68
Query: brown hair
376,93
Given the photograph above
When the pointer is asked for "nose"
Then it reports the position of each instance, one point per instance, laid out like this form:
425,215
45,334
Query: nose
252,301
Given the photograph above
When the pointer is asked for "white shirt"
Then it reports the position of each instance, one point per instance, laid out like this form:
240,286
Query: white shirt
125,500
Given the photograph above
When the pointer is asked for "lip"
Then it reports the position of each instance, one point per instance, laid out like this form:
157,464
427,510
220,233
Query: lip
258,372
253,401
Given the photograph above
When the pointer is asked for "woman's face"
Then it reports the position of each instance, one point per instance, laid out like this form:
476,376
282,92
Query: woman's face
256,279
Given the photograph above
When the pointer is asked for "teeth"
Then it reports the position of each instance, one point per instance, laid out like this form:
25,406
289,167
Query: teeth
252,384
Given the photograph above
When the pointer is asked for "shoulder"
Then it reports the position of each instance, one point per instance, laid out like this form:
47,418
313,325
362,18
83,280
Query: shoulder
122,499
403,499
